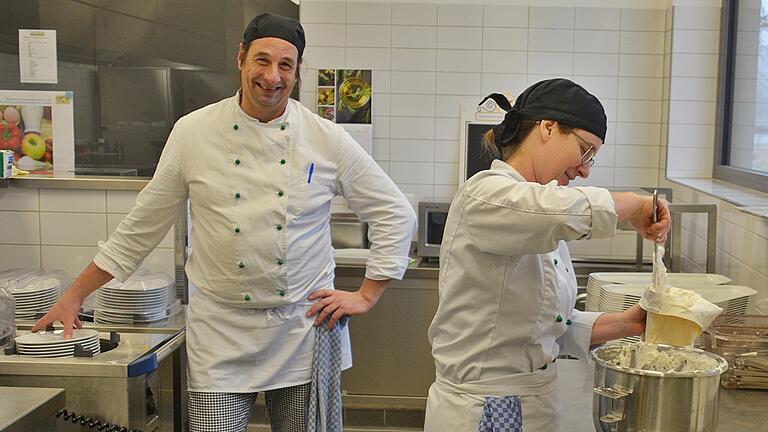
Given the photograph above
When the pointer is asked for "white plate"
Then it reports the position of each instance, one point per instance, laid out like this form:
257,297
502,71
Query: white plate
133,294
142,282
145,315
56,345
55,355
32,350
673,279
105,299
36,296
56,337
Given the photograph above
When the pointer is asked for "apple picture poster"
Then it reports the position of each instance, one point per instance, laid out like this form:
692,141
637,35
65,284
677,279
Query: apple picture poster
38,126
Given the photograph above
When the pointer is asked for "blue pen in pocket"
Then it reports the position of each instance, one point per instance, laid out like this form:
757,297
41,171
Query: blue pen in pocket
311,170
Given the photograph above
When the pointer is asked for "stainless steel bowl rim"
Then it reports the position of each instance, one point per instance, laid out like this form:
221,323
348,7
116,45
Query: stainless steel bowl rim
722,364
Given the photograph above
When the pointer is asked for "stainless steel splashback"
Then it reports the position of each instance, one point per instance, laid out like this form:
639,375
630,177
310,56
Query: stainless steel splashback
347,231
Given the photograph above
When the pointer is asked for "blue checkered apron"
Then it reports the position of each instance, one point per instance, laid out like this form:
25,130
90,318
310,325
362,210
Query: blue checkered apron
501,414
324,413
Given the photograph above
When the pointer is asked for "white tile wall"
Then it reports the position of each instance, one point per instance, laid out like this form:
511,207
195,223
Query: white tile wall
71,259
78,201
20,256
19,199
60,228
742,239
20,227
369,13
441,54
505,39
459,15
72,229
505,16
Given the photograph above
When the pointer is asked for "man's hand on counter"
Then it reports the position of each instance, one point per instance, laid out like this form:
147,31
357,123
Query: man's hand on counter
338,303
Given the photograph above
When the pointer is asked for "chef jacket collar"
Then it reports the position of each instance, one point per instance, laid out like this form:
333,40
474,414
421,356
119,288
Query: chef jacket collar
499,165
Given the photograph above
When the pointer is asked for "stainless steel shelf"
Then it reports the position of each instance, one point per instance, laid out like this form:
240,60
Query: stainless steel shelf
80,182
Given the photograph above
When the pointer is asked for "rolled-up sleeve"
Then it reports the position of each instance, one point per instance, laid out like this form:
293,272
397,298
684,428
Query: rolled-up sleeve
576,340
155,211
375,198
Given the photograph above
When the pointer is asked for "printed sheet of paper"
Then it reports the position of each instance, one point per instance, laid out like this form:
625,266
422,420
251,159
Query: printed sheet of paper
37,56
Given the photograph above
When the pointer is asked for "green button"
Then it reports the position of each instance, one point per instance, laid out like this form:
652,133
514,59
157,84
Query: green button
282,127
555,261
279,261
544,367
279,227
247,297
280,193
559,319
237,161
241,264
237,194
236,127
237,229
282,293
282,161
568,322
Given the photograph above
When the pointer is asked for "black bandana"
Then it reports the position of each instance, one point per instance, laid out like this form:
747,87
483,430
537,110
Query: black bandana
557,99
276,26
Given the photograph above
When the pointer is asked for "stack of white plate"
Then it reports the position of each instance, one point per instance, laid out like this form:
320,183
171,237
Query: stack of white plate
144,297
680,280
53,344
34,291
732,298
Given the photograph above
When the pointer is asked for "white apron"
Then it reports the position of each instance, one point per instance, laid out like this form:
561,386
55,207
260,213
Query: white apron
236,350
457,408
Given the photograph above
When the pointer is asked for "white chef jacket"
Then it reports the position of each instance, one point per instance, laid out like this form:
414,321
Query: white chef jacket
507,289
260,197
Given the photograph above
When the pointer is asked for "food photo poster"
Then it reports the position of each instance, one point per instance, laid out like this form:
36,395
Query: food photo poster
38,127
344,96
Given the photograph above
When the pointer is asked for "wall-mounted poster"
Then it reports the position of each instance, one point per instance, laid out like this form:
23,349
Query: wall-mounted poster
345,96
38,127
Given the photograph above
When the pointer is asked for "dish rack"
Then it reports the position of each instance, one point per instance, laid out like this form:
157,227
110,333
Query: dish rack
743,341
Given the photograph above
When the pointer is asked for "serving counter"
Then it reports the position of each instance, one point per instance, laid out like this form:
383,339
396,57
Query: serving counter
24,409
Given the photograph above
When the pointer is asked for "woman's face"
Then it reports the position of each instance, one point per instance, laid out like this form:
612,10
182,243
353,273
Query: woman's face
565,156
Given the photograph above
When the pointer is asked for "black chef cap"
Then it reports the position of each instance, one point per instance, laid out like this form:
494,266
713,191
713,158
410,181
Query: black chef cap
268,25
556,99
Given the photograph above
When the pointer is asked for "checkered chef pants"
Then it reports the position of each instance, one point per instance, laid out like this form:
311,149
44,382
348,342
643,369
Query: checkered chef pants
229,412
501,414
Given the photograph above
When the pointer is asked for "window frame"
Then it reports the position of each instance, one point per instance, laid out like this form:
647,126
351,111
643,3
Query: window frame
721,169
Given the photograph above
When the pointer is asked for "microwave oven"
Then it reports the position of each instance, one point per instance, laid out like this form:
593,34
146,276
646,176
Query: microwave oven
431,224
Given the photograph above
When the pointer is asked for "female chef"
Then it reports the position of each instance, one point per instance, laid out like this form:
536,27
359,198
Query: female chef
507,285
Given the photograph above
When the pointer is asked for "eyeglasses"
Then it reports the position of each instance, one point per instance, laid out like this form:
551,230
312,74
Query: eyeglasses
588,157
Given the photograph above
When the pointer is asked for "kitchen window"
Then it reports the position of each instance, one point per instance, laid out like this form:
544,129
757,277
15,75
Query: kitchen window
741,154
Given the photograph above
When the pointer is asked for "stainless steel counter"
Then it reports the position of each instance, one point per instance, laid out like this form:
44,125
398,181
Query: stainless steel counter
740,410
24,409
